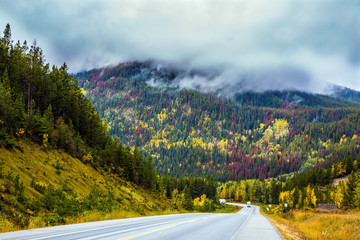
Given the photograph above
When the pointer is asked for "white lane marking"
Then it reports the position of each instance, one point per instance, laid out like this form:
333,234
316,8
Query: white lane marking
148,232
159,229
89,230
70,232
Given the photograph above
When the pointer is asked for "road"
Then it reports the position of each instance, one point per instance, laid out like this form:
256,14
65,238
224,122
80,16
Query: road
245,224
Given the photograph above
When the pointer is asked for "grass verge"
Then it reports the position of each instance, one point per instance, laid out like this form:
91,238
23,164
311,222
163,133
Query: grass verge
228,209
46,188
316,224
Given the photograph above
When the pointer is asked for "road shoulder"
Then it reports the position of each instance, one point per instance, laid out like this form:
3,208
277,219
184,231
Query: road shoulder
258,227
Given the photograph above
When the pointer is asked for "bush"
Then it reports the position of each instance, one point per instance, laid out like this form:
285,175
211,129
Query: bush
2,164
19,189
203,204
55,219
9,143
59,167
100,201
38,186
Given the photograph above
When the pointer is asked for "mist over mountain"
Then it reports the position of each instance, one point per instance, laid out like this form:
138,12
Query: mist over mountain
254,45
230,84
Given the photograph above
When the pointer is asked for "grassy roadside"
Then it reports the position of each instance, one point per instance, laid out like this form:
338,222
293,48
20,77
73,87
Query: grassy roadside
33,181
228,209
45,188
316,224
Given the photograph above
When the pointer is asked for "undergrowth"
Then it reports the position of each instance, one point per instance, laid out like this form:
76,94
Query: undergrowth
45,188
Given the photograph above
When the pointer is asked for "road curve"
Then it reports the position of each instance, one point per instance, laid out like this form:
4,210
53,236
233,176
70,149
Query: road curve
245,224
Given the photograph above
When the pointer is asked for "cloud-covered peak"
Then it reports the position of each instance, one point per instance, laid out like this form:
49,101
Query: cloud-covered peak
257,44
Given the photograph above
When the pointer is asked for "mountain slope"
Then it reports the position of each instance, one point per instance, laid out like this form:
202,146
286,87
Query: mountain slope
346,94
253,135
39,189
54,146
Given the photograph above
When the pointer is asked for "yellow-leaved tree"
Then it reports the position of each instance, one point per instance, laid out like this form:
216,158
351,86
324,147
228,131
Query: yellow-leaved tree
225,192
200,202
242,191
339,194
311,199
287,197
281,128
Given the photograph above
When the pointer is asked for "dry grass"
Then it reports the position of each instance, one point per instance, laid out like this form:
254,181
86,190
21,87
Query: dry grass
228,209
117,214
39,222
6,225
34,163
314,224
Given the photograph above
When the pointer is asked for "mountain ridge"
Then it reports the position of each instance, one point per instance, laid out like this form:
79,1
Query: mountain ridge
171,75
228,135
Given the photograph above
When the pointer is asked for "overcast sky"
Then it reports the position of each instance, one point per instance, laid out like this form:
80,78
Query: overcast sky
298,44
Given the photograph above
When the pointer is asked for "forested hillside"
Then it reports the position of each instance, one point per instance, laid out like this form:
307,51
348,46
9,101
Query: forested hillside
251,135
58,162
304,190
45,104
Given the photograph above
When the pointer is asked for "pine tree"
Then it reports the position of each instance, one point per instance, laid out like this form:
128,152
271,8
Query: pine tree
358,161
7,36
349,165
350,190
357,195
129,172
188,203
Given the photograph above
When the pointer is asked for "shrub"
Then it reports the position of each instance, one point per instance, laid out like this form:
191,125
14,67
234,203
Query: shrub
55,219
9,143
2,164
38,186
19,189
59,167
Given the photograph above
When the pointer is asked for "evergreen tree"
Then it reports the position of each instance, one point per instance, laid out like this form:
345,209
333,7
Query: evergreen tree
357,195
349,164
350,190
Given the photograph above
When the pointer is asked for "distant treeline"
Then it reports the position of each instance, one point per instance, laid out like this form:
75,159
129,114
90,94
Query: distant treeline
303,190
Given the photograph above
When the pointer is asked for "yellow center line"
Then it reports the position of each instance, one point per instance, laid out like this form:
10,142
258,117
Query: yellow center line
158,229
148,232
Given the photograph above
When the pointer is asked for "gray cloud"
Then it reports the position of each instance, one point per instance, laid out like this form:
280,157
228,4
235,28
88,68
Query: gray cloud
258,44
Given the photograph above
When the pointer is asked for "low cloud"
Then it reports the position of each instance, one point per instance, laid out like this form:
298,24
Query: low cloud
227,82
257,44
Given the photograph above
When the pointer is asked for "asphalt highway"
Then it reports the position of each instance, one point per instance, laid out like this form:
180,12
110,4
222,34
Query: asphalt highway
246,224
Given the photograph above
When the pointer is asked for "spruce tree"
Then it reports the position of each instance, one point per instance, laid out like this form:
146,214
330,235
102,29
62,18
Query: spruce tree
349,165
350,190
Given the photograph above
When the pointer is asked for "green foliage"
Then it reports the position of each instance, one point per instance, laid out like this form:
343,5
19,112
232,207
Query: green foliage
58,166
100,201
350,191
37,186
2,164
19,189
349,164
203,204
